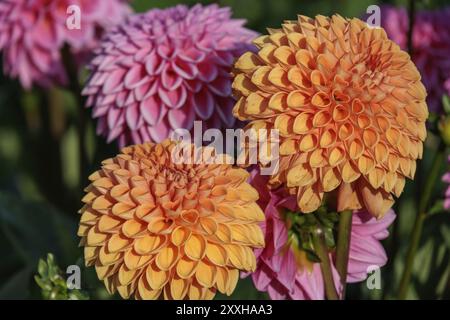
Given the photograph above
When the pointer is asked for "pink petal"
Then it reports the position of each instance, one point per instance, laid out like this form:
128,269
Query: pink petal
136,77
113,116
181,118
204,104
114,83
159,132
191,55
146,90
151,110
207,72
154,63
173,99
170,80
262,277
185,69
221,86
133,116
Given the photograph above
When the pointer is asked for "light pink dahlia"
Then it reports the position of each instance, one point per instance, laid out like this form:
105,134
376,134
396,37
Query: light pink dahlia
431,46
32,33
284,270
164,69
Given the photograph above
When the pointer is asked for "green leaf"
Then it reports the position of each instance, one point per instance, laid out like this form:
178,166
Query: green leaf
42,268
28,230
446,103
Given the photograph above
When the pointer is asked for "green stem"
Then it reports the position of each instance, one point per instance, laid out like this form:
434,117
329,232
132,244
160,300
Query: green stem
75,88
343,246
325,265
439,160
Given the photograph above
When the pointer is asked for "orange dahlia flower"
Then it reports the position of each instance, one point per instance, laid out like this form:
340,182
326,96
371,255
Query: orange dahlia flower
349,106
155,229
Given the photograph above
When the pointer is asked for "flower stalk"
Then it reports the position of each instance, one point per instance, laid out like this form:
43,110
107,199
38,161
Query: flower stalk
325,265
75,88
343,246
416,233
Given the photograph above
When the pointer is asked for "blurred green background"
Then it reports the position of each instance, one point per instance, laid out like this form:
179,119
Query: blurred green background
40,182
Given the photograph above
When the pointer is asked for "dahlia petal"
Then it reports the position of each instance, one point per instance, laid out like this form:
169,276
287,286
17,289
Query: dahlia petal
41,58
145,292
181,119
135,77
133,117
192,55
205,274
207,72
276,292
185,69
221,86
151,110
178,288
262,277
225,111
289,270
114,82
154,65
146,90
371,226
195,247
376,203
166,258
170,80
173,99
204,104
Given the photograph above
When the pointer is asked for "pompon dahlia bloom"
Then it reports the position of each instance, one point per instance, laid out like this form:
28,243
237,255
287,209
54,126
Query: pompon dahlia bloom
349,107
155,229
431,46
163,70
33,32
446,179
284,270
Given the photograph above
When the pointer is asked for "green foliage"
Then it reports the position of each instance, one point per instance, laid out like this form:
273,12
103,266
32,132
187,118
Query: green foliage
53,284
28,230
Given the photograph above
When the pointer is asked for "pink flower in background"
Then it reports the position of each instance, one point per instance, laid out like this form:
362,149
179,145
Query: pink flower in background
431,43
446,179
284,271
164,69
32,33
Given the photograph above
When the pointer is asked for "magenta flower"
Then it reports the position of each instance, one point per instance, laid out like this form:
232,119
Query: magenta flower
283,269
446,179
431,43
164,69
32,33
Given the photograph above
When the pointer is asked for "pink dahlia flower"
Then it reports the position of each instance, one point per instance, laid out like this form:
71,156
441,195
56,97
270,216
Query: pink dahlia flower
163,70
32,33
446,179
431,44
283,269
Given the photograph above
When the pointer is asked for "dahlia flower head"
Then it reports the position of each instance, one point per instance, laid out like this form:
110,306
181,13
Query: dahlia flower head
349,106
283,268
164,69
446,179
157,229
33,32
431,47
